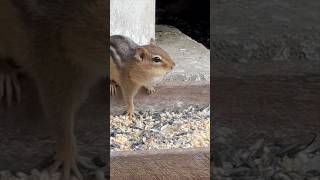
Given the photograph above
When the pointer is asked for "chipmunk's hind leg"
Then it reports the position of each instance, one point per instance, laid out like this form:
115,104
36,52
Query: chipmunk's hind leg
61,95
129,90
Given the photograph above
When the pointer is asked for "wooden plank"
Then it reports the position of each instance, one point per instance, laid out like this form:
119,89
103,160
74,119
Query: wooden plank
173,164
171,97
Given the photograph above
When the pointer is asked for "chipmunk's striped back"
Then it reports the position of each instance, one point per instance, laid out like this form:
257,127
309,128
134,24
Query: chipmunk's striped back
121,49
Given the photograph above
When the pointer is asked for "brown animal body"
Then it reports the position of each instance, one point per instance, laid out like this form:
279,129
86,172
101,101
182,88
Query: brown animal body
61,45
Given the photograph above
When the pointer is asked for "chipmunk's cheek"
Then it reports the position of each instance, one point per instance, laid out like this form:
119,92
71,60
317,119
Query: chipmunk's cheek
146,66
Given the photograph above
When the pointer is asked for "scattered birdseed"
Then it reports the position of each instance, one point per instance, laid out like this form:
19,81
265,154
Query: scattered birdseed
292,158
186,128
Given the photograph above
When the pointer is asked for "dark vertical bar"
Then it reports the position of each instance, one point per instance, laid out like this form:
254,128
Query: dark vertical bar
212,86
265,63
108,92
54,60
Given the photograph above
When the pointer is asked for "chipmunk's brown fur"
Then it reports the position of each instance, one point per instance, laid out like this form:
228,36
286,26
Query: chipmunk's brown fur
133,66
61,44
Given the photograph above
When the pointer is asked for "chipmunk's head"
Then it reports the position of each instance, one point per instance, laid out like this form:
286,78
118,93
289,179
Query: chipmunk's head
154,59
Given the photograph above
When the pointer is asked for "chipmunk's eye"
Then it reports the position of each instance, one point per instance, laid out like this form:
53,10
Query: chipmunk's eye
156,59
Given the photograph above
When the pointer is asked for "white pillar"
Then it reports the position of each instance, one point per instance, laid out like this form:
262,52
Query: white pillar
133,18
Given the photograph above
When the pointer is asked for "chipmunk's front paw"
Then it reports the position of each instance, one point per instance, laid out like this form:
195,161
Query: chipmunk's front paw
113,88
150,89
10,89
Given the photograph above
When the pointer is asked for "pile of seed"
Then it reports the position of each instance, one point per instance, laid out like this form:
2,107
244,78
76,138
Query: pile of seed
44,175
184,128
265,160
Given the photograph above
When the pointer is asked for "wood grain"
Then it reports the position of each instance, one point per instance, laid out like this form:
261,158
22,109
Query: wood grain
173,164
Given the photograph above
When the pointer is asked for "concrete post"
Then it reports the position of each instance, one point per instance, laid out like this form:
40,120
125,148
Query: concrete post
133,18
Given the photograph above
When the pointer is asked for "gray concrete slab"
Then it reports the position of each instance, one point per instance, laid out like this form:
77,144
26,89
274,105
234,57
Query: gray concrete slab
192,58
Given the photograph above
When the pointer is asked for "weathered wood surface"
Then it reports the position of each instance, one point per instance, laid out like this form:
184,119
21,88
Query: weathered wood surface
172,164
166,97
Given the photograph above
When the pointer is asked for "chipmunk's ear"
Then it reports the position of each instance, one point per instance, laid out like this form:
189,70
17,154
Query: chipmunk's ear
141,54
152,41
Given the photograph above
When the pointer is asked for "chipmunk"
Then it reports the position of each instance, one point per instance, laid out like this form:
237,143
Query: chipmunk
133,66
61,45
